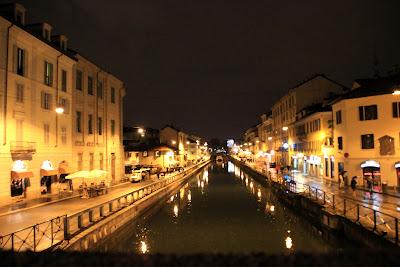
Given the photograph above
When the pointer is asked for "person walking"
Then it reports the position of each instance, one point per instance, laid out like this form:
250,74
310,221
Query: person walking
353,185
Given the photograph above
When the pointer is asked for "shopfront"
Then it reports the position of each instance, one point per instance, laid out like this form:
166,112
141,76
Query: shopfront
48,176
64,171
371,170
20,179
397,167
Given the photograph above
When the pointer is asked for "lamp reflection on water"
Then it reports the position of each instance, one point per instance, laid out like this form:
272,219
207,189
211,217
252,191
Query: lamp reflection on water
189,196
289,242
176,210
143,247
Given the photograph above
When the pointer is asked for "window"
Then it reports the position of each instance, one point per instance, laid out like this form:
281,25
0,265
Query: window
63,81
46,34
112,95
65,105
101,161
100,125
100,89
48,73
46,134
90,85
20,93
78,121
340,142
112,127
19,128
91,161
46,100
20,62
338,117
78,84
20,17
368,112
396,109
367,141
90,124
63,135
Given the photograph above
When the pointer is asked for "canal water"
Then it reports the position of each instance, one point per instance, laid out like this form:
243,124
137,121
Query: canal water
220,210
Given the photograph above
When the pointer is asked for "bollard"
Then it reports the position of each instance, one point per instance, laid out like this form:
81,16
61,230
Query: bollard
396,226
110,207
79,221
66,228
324,197
101,211
52,230
333,201
374,220
344,207
358,212
34,238
91,216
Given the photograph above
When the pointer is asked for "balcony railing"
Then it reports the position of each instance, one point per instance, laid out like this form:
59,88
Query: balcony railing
22,147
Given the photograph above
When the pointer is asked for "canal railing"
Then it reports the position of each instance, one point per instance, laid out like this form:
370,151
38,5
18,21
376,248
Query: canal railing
50,233
378,222
35,238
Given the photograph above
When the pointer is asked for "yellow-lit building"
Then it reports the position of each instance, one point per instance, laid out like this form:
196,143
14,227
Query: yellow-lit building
367,131
311,150
39,141
284,111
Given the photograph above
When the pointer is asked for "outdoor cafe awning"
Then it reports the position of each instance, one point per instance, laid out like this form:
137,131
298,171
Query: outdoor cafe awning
44,172
21,174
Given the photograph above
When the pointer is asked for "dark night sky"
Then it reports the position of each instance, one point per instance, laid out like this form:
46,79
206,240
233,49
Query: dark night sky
212,67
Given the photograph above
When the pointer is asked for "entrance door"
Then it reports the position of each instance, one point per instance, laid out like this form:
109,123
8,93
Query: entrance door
113,167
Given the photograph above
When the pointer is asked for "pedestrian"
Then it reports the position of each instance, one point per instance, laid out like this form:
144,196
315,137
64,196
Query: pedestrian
353,185
340,178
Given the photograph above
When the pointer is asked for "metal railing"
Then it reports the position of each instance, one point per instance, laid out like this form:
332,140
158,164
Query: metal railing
378,222
38,237
45,235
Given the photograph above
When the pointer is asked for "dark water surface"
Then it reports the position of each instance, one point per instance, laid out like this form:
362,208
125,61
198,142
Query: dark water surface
220,210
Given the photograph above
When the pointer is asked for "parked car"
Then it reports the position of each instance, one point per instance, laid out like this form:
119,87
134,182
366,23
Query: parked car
138,173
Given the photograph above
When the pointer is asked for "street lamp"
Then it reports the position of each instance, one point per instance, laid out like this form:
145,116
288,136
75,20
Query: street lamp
285,128
59,110
173,142
396,92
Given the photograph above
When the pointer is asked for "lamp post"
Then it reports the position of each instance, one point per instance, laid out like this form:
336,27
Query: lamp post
59,110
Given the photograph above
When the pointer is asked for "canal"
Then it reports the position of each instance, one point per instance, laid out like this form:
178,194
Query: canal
219,210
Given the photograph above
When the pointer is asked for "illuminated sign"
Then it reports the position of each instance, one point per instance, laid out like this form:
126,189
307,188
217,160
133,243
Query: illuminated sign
397,165
370,163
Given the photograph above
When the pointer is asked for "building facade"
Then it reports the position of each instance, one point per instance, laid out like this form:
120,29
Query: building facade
37,113
367,132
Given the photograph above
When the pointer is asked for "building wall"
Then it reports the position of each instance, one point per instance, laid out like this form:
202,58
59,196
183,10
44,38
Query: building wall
29,113
106,149
352,128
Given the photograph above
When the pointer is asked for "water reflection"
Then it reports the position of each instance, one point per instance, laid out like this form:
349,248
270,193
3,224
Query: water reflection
219,210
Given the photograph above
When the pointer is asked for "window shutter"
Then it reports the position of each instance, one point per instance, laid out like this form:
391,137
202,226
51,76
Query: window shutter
395,110
26,69
51,74
42,99
361,113
15,59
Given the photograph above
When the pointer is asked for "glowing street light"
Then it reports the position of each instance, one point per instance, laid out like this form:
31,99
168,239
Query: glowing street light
285,128
173,142
140,130
269,138
396,92
59,110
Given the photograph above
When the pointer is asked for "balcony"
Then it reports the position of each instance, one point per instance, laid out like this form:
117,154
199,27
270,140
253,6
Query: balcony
19,147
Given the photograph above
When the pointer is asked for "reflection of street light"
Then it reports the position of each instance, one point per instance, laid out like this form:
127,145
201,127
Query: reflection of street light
285,128
269,138
173,142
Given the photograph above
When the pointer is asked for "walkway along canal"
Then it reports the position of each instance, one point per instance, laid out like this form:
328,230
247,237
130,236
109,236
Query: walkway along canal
219,210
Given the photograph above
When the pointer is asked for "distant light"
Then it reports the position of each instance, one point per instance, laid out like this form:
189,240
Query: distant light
288,242
285,128
187,142
59,110
205,144
272,208
176,210
173,142
396,92
257,141
270,138
189,196
285,145
140,130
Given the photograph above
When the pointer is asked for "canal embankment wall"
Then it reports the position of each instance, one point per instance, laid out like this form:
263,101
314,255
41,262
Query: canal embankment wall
103,229
331,226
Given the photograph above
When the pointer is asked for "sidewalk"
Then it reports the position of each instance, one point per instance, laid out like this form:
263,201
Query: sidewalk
36,211
388,203
14,218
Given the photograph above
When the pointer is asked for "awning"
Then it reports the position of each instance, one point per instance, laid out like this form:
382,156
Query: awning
397,165
64,170
21,174
44,172
370,163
